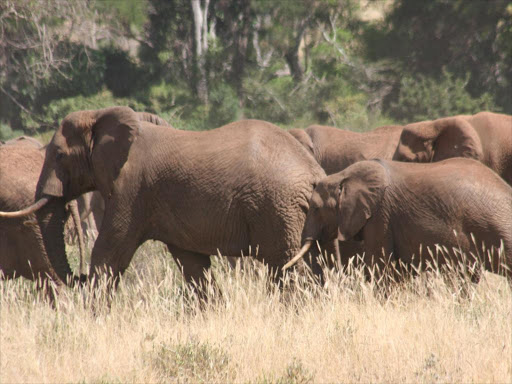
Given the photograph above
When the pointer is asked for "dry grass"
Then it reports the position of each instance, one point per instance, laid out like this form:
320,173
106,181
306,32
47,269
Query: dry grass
423,331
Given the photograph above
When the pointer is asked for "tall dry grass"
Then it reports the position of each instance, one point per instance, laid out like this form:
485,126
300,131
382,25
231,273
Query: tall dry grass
425,330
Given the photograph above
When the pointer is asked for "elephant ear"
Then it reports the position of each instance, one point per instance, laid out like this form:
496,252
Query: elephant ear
361,192
112,135
456,138
302,137
438,140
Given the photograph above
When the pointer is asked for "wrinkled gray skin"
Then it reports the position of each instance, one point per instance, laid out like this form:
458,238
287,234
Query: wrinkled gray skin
393,207
335,149
243,185
486,137
30,246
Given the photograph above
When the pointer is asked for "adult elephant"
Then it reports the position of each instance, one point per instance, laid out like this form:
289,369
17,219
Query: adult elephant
486,137
31,246
335,149
246,184
398,209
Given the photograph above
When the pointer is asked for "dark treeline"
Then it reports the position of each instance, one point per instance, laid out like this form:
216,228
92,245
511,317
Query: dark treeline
203,63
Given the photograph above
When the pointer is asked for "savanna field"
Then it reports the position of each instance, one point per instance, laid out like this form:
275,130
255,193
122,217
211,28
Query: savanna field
432,328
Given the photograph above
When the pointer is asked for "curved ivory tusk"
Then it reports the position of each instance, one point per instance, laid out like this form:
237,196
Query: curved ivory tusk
27,211
299,255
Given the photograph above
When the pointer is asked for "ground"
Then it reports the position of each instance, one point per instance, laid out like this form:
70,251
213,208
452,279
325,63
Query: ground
427,330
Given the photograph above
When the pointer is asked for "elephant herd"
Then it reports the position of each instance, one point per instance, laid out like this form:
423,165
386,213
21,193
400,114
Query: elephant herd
251,185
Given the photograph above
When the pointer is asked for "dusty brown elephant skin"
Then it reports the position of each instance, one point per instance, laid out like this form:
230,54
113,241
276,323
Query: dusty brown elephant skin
31,246
335,149
486,137
393,207
243,185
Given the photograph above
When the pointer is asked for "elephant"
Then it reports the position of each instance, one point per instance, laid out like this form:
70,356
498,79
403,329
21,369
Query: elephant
399,210
32,246
23,140
241,186
486,137
335,149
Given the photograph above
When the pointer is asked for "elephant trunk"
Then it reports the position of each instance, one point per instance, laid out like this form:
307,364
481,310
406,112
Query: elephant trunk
51,220
305,248
26,211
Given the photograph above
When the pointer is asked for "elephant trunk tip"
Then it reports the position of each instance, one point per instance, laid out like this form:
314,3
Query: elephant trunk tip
299,255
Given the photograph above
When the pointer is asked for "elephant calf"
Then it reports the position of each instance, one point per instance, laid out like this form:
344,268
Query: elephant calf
397,209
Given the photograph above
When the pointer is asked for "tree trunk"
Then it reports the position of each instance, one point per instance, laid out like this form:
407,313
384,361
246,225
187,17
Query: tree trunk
292,55
241,45
201,46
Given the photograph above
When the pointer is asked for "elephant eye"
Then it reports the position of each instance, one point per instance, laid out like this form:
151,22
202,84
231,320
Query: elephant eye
59,156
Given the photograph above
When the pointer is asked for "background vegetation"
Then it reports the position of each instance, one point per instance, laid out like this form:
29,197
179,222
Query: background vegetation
202,63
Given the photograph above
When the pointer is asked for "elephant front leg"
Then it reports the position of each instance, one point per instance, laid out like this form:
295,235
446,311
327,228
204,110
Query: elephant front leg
113,250
194,267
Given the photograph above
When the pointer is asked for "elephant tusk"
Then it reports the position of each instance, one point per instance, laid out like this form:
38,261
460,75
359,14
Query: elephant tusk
27,211
299,255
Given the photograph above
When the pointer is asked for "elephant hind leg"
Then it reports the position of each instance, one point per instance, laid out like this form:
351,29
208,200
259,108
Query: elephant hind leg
194,267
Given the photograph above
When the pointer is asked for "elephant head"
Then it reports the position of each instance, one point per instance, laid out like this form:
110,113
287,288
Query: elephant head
432,141
342,204
88,152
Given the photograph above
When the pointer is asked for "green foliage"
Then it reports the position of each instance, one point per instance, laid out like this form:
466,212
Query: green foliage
428,37
427,98
56,110
132,14
7,133
224,106
122,76
291,63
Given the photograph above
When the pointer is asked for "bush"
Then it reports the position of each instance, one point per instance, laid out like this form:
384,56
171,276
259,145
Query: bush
6,132
58,109
223,107
427,98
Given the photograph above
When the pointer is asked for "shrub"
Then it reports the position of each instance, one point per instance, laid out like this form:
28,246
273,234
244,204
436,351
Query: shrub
426,98
6,132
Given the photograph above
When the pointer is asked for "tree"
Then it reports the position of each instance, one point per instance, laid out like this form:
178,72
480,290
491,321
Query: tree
427,37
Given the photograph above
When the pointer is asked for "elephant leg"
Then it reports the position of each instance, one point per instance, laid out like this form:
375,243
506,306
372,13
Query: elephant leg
321,255
113,250
194,267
